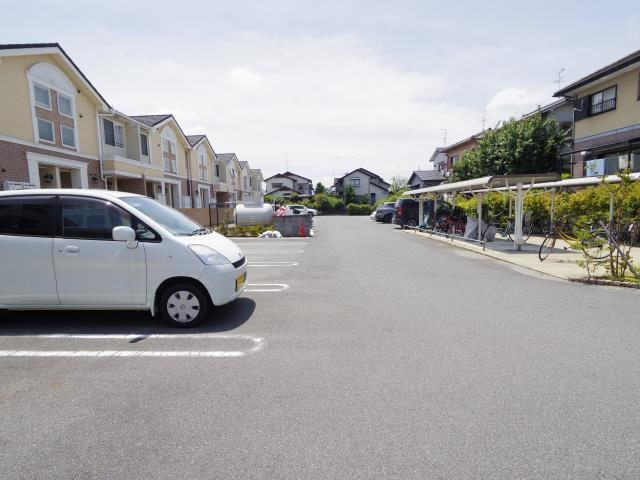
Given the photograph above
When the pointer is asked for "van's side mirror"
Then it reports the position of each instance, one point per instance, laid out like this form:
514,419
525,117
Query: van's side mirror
125,234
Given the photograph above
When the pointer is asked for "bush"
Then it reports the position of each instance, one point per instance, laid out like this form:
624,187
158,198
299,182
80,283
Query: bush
359,209
326,203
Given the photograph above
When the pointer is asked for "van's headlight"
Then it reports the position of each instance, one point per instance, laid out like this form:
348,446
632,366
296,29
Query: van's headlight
208,255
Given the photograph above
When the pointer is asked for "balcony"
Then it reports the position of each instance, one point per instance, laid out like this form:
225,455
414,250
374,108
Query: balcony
602,107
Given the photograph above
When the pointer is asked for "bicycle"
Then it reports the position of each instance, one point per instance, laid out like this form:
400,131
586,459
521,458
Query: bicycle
510,228
593,244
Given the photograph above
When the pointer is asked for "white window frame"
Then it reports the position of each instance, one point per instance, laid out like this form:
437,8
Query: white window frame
72,116
124,135
35,100
62,136
53,131
145,158
173,149
203,166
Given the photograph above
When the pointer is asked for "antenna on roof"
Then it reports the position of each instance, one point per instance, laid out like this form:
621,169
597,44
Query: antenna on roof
484,118
560,77
444,136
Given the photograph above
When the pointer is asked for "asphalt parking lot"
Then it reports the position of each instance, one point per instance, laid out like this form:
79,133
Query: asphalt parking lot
359,353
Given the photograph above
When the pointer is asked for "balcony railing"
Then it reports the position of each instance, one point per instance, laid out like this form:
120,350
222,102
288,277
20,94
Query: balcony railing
603,106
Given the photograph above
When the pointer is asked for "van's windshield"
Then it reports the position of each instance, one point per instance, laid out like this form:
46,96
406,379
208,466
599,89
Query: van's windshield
172,220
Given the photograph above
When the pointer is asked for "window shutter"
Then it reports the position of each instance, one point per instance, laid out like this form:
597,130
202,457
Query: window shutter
109,137
581,108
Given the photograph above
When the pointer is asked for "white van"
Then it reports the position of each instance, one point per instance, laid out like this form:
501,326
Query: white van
97,249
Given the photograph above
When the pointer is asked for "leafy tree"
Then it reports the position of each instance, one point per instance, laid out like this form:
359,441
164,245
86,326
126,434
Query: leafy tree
294,198
529,145
349,195
320,188
398,184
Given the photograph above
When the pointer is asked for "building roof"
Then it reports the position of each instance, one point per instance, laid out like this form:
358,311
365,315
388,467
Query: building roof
470,139
38,46
226,157
195,139
243,163
427,175
151,120
547,108
366,172
289,175
256,171
610,69
435,154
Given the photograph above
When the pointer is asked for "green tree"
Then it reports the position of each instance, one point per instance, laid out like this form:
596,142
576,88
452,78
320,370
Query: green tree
320,188
398,184
349,195
529,145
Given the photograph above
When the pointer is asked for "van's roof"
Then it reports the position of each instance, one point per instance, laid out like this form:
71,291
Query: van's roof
93,192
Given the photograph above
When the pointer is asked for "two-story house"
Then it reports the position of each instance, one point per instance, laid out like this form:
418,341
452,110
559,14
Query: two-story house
606,115
202,170
288,183
49,126
364,183
170,146
439,160
234,176
425,178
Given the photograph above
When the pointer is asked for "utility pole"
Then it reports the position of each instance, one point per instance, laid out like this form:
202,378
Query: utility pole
484,118
444,136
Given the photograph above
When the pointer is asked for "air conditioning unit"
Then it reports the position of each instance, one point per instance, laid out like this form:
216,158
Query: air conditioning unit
9,185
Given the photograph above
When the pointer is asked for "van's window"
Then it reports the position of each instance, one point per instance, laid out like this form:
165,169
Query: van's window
172,220
26,215
95,219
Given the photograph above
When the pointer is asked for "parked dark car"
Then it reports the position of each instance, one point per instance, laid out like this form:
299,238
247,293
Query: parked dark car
406,211
384,213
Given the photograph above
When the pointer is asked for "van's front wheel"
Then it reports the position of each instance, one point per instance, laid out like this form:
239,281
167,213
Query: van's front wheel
184,305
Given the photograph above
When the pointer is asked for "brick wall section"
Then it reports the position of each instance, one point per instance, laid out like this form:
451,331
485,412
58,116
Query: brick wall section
13,163
201,215
131,185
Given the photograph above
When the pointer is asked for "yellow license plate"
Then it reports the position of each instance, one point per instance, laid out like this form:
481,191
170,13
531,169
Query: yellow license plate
240,281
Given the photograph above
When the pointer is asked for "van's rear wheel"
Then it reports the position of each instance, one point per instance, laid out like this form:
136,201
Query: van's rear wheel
184,305
411,223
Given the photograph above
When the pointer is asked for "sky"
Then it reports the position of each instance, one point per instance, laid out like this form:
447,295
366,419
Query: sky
322,88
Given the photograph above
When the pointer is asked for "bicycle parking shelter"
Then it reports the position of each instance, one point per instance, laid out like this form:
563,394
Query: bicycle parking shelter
519,184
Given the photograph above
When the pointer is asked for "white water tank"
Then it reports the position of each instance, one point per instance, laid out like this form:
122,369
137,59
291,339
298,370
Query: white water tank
254,215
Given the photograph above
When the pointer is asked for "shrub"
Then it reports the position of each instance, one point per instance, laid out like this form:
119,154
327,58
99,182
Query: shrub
359,209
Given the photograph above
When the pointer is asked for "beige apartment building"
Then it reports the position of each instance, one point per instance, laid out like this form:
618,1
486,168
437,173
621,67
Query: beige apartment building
606,118
56,130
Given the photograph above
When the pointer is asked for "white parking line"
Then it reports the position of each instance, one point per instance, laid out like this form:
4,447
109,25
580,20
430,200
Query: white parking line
273,264
258,344
263,244
266,287
271,252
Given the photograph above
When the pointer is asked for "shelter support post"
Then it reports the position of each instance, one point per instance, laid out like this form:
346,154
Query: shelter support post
479,198
519,216
553,205
420,211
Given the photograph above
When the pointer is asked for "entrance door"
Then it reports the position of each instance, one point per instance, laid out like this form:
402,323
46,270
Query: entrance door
91,268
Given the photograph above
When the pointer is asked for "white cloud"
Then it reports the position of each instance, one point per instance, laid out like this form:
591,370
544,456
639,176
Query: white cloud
327,105
514,102
242,77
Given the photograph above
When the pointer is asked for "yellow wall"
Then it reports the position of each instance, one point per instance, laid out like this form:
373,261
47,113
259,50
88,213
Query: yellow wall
155,145
16,116
627,110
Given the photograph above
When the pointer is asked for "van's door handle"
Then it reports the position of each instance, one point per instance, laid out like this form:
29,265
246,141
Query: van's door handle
71,249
